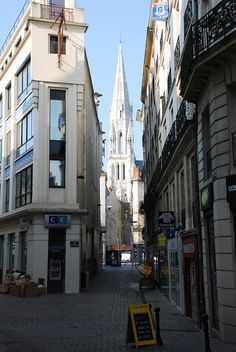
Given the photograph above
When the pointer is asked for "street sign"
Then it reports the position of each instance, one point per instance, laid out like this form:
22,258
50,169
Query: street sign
166,219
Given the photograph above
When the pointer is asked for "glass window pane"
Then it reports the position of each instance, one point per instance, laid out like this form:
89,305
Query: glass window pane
23,131
23,182
57,115
57,150
24,79
57,2
29,126
29,180
53,45
29,73
57,173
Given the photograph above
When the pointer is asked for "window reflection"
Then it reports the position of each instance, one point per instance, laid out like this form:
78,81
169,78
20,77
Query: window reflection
57,173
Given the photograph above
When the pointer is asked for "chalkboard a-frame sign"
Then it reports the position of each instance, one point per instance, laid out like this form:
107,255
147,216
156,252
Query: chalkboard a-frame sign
140,326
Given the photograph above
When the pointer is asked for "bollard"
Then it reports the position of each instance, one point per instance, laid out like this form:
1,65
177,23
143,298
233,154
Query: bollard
205,319
158,335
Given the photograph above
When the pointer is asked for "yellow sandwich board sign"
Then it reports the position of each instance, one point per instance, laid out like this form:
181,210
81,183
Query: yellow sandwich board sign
140,328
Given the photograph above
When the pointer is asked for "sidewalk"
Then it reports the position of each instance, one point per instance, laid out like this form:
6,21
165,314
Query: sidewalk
179,333
95,320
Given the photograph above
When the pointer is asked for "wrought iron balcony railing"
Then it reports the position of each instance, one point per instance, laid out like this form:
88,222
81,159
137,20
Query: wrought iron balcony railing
52,12
171,142
209,30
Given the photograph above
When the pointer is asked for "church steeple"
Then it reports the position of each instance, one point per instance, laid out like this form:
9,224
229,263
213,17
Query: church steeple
121,151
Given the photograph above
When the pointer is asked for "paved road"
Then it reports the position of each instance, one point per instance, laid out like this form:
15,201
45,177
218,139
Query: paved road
94,320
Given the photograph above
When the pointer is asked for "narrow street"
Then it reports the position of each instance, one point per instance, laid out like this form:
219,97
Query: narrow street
95,320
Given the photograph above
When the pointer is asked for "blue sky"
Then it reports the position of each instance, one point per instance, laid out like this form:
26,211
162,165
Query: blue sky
109,23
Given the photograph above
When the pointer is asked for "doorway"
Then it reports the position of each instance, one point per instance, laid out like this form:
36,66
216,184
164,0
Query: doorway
56,261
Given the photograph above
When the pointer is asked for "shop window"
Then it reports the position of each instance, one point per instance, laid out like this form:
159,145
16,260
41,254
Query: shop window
23,243
24,187
57,149
11,251
25,134
24,81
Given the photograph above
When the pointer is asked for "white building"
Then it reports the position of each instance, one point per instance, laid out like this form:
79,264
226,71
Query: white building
50,148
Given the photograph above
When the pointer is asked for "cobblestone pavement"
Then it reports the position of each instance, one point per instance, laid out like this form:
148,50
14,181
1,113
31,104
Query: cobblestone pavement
94,320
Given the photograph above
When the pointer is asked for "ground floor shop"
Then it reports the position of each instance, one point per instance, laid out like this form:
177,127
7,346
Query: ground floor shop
44,246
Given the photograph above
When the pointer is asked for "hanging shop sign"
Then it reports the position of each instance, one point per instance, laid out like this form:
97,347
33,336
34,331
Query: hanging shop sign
160,11
55,220
231,188
166,219
161,240
207,197
140,328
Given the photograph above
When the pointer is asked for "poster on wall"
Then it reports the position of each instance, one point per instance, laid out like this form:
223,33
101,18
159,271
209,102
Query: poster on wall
160,11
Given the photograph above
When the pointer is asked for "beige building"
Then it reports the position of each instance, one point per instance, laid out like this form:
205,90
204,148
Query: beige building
190,58
50,149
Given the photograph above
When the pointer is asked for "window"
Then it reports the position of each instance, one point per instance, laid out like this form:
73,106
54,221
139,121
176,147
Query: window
57,138
8,148
123,171
8,97
24,187
25,134
24,81
7,195
11,250
53,49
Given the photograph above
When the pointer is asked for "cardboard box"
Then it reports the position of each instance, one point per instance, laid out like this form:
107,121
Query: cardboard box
34,291
15,290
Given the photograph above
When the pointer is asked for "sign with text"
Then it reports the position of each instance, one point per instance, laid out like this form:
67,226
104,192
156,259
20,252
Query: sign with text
56,220
140,328
231,188
160,11
166,219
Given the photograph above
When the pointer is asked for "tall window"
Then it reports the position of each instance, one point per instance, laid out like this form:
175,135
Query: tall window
7,195
118,171
8,97
8,148
11,250
57,138
24,81
123,171
25,134
24,187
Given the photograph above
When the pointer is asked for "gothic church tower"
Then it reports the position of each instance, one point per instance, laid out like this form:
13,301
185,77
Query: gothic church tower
121,141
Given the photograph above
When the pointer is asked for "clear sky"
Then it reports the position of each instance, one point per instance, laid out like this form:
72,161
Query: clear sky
109,23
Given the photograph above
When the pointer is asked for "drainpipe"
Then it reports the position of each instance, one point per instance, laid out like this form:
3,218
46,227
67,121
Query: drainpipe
203,315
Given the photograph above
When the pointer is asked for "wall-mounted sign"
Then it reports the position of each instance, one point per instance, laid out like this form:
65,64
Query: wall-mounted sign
166,218
56,220
160,11
207,197
231,188
161,240
74,243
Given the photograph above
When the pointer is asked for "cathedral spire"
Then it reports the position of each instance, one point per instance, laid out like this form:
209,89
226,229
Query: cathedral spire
121,149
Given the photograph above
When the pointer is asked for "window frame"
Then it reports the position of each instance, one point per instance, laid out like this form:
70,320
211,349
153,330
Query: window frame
24,190
25,127
24,80
53,49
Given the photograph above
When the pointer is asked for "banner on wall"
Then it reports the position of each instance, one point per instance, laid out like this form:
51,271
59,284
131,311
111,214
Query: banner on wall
160,11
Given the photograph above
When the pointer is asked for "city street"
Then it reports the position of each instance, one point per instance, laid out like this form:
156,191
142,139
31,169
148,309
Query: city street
94,320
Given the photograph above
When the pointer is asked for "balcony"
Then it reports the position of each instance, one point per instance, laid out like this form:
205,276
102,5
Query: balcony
183,117
209,42
53,12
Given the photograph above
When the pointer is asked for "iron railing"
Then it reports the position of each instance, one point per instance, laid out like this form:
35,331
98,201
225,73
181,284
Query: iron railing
53,12
169,146
208,31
